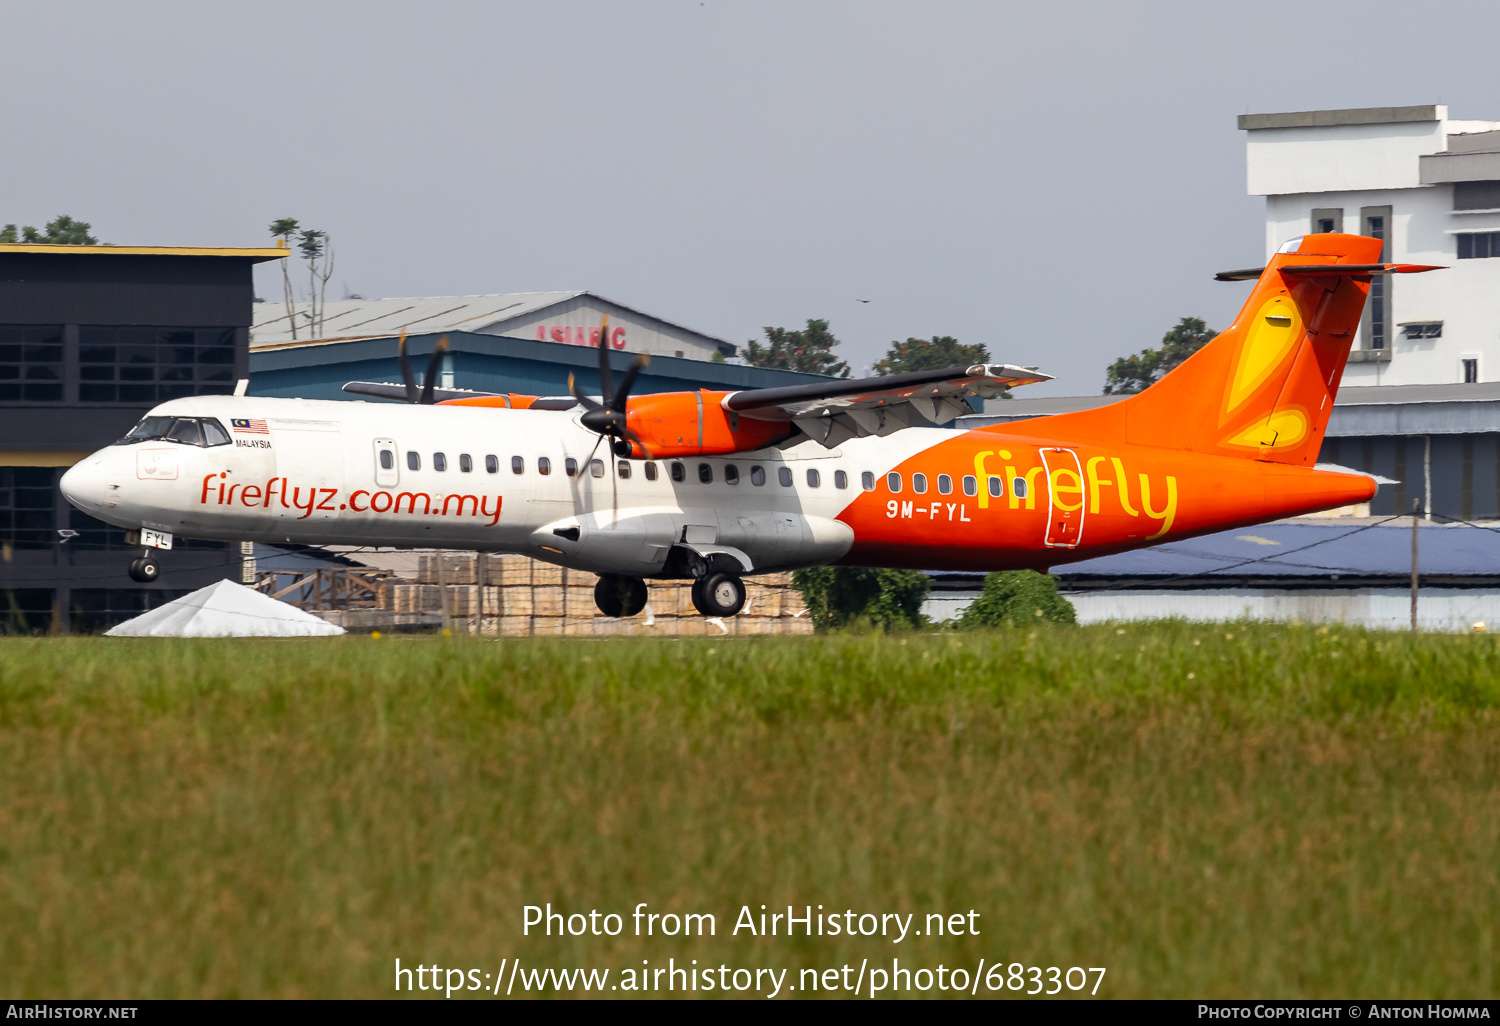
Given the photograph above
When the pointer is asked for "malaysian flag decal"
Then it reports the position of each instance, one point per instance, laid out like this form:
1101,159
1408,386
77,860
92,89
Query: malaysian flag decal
246,426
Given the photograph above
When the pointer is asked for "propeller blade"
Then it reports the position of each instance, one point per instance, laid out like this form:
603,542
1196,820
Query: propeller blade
606,379
587,403
432,370
586,468
628,382
633,437
406,374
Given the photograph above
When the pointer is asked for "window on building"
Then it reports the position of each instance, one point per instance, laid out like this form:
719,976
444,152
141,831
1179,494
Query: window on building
31,364
840,479
543,465
813,479
1422,329
492,464
731,474
705,473
1377,314
517,465
150,365
784,475
413,461
439,461
26,501
1471,370
893,481
1478,245
1476,196
757,475
1327,219
650,471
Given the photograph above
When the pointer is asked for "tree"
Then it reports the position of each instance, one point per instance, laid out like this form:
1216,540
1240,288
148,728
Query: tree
1136,373
808,350
1017,598
836,596
62,230
315,250
285,228
919,354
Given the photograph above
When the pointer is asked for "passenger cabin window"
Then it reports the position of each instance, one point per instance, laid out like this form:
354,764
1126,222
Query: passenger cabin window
731,474
492,464
893,481
945,484
466,463
624,468
784,475
812,478
413,461
387,460
840,479
1018,487
517,465
867,481
650,471
570,467
705,473
919,483
971,486
757,476
543,465
997,487
439,461
596,468
679,472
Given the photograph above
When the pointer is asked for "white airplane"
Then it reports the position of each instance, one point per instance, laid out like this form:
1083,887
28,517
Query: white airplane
714,486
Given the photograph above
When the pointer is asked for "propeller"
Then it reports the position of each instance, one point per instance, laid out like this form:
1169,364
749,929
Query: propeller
607,419
423,396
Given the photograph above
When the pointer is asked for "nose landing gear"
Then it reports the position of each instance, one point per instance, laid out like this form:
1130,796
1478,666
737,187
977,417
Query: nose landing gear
618,595
145,569
719,594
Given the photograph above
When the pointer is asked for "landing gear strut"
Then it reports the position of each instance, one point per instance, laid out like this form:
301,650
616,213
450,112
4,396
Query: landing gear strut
145,569
719,594
617,595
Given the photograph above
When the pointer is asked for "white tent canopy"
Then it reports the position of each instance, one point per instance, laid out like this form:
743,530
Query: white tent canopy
225,610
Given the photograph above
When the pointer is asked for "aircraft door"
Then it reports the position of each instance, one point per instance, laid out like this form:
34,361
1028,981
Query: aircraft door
310,461
1065,498
387,463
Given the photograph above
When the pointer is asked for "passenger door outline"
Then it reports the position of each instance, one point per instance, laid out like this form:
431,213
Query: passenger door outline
1064,527
387,478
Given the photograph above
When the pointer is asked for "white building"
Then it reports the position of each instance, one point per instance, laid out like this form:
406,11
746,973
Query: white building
571,318
1430,187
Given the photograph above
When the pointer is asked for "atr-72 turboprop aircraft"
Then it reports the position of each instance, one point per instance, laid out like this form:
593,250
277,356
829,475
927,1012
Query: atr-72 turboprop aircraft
714,486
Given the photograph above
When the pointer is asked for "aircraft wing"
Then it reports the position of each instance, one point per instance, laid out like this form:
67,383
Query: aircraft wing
839,410
386,390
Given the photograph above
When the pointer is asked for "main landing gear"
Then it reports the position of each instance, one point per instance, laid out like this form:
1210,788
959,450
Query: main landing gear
145,569
618,595
714,594
718,594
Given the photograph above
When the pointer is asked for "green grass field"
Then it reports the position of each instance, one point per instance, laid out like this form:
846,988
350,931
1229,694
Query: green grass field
1243,811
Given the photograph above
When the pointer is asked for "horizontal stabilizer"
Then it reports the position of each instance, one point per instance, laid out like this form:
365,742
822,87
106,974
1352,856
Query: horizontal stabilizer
1254,273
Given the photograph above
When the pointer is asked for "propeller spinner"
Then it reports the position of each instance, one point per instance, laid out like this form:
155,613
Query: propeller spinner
608,419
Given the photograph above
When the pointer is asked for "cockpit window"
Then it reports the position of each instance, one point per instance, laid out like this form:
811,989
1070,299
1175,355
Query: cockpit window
199,431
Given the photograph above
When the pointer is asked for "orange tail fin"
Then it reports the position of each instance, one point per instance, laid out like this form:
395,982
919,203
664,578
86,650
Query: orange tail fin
1263,389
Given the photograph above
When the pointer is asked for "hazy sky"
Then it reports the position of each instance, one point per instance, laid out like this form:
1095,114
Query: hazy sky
1056,180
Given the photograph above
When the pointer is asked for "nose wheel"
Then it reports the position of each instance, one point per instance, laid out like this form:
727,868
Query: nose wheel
618,595
145,569
719,594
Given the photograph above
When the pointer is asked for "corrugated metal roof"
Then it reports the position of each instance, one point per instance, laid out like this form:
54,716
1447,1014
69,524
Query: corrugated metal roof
1302,548
345,318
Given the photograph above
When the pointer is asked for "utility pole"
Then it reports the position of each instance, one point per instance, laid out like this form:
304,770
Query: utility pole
1416,520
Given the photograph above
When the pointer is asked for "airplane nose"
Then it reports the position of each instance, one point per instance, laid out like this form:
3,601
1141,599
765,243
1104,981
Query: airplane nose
83,484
